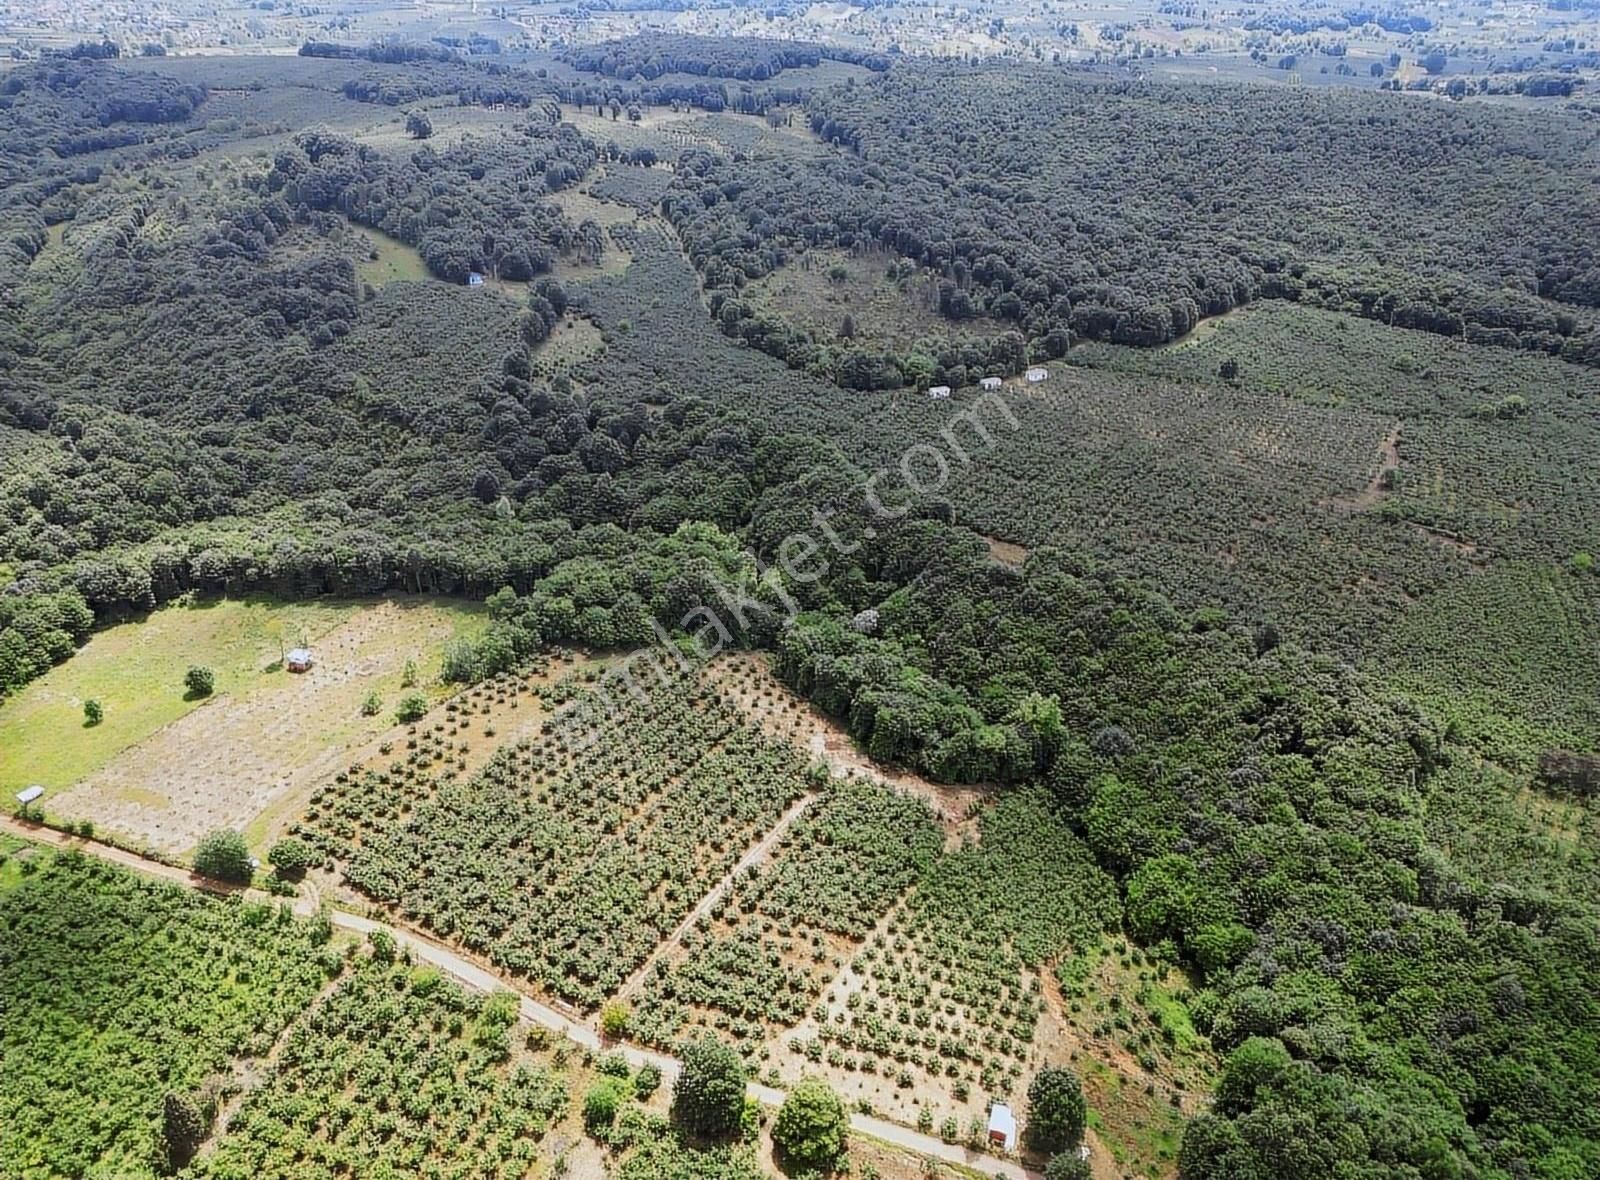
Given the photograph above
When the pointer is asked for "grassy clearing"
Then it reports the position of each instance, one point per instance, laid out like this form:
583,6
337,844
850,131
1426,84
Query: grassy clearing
136,671
572,341
451,121
822,287
1137,1129
391,261
582,206
155,742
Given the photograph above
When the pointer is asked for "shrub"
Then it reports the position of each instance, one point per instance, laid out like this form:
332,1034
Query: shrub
1067,1166
647,1081
708,1097
411,708
291,858
811,1125
1056,1109
600,1106
372,706
199,681
93,714
614,1018
225,856
460,663
383,946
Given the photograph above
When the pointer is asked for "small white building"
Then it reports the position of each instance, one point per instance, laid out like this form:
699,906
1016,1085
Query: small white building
1002,1127
1037,374
29,794
938,391
990,383
298,660
474,279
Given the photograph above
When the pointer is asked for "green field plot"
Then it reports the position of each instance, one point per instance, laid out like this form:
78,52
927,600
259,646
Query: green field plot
865,299
568,868
944,1000
399,1072
114,993
759,960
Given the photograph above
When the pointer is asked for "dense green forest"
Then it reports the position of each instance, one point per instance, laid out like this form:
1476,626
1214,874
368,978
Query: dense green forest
1291,765
1004,182
747,59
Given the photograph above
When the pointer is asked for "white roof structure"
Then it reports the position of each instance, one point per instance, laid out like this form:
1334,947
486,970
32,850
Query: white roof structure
938,391
990,383
29,794
299,655
1003,1126
1037,374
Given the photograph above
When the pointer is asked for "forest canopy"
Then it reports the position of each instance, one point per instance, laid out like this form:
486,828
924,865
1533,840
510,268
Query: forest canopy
1013,184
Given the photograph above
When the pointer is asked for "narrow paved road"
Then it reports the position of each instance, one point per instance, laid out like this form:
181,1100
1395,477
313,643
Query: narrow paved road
758,853
580,1033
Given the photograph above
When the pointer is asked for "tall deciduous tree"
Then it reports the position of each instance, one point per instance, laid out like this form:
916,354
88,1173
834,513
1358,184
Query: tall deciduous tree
708,1097
225,856
810,1128
1056,1109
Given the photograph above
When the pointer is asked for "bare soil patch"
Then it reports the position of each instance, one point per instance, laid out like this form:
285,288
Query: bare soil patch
1006,552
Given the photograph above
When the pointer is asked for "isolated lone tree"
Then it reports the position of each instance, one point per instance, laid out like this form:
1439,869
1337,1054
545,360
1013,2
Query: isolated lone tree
93,714
418,126
1056,1109
225,856
708,1097
810,1128
199,681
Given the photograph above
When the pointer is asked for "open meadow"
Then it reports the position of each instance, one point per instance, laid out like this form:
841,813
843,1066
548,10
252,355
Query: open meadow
164,766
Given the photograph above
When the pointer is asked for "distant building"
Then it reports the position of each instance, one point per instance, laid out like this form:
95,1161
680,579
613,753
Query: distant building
1002,1127
1036,375
938,391
29,794
990,383
474,279
298,660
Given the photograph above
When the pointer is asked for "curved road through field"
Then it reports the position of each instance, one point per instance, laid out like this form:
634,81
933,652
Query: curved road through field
425,949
